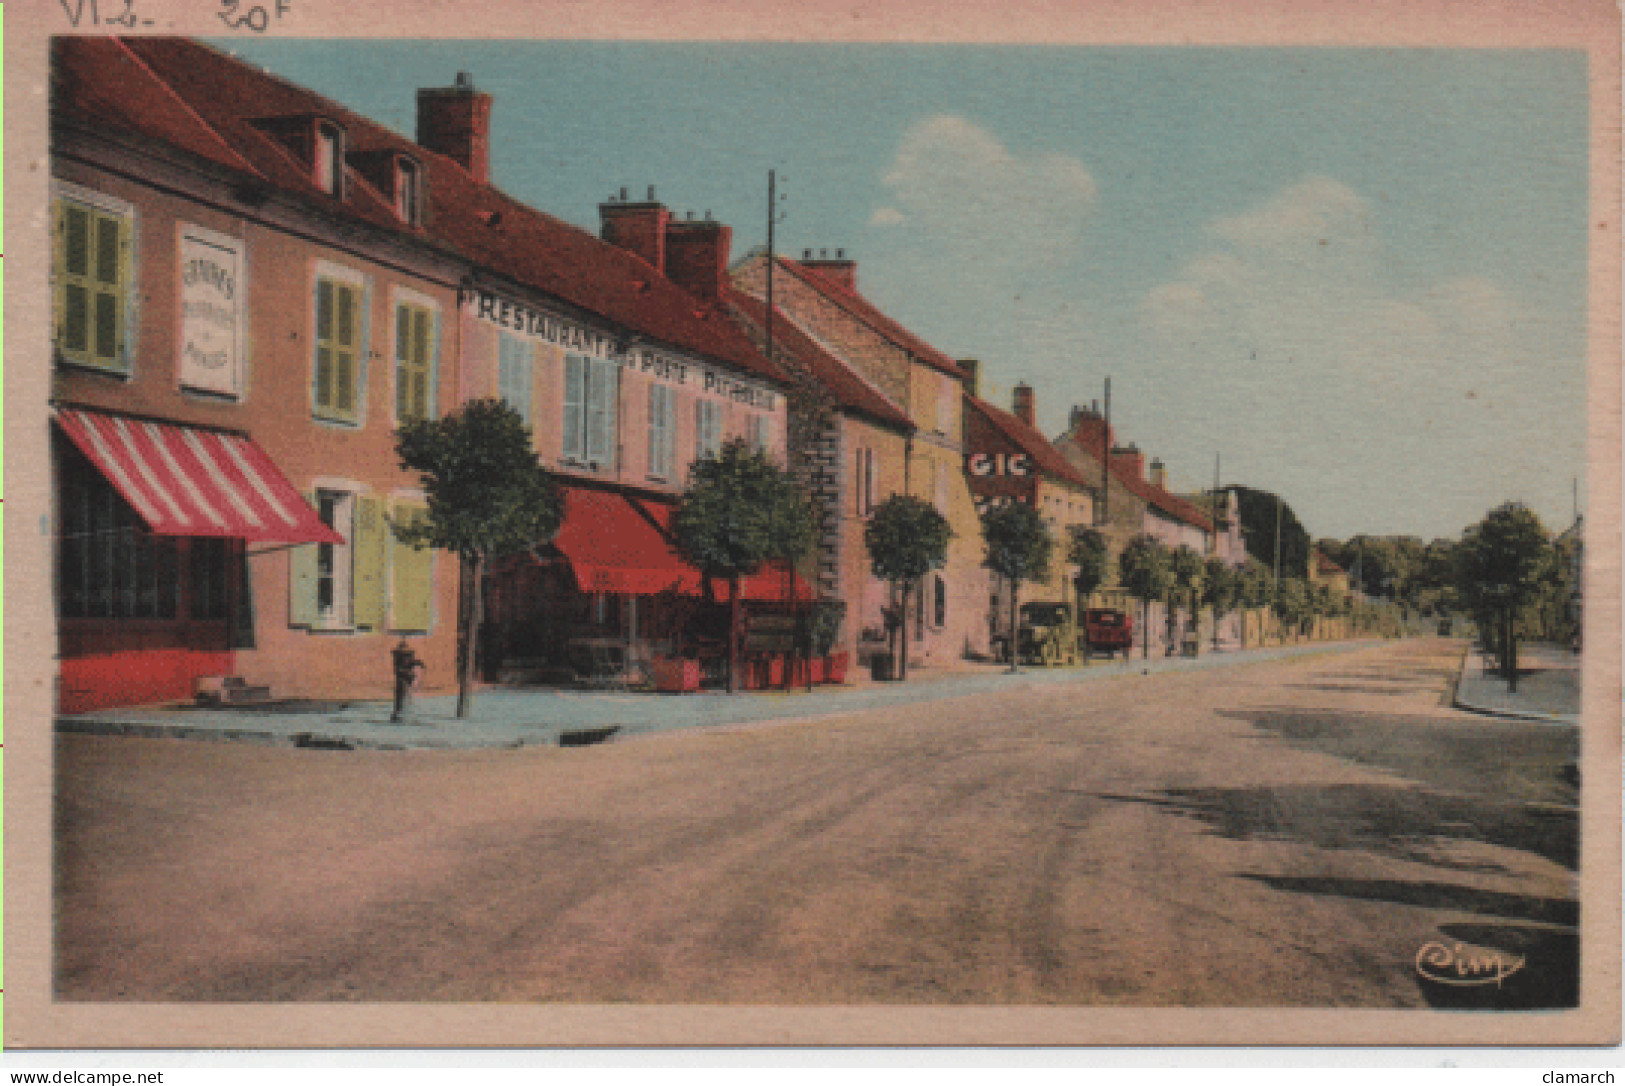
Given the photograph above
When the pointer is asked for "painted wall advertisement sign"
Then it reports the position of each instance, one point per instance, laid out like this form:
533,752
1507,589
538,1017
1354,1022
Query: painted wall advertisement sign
211,311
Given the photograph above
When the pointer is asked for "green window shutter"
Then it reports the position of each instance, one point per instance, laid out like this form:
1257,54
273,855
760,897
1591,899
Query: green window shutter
422,346
370,559
302,580
413,569
338,338
91,275
403,363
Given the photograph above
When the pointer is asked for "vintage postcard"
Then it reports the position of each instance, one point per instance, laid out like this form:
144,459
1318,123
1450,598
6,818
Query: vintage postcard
754,524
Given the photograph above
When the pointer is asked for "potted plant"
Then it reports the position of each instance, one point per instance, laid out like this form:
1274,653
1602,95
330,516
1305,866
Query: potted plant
675,674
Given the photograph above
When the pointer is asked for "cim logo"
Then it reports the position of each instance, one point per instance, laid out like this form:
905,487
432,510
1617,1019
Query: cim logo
983,465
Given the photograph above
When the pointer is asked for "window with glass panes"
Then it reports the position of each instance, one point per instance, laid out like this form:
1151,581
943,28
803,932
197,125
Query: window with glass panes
338,347
91,273
414,361
108,564
514,373
591,388
707,428
662,430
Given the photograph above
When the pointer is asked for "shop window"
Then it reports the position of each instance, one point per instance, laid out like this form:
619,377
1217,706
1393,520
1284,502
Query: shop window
591,388
91,284
210,567
514,374
338,348
415,362
662,430
707,428
108,565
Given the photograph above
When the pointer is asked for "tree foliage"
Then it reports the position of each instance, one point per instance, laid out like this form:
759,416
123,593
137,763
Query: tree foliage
1257,511
1219,586
906,538
1018,541
740,511
1501,565
1145,570
488,494
1086,549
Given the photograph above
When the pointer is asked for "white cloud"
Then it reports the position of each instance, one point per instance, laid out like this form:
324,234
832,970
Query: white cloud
955,185
1293,341
975,236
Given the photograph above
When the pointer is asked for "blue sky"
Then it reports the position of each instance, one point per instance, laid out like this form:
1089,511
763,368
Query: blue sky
1356,275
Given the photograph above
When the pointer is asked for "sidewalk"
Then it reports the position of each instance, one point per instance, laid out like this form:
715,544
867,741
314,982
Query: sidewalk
514,718
1548,685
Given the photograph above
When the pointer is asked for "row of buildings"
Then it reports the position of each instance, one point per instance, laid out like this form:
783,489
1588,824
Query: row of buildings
253,287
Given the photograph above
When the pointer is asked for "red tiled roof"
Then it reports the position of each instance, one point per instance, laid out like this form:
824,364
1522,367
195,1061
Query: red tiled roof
1029,440
201,100
849,388
1092,442
864,310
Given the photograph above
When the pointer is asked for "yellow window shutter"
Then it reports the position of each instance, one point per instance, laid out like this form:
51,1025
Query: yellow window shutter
302,580
413,574
371,562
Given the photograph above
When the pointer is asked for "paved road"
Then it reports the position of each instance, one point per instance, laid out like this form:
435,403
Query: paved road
1283,833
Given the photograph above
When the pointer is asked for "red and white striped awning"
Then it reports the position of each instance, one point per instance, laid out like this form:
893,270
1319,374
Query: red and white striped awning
185,481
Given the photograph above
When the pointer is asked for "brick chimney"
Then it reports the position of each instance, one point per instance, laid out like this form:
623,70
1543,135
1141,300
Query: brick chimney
637,226
838,267
697,255
1087,426
972,380
456,122
1130,459
1021,402
1159,473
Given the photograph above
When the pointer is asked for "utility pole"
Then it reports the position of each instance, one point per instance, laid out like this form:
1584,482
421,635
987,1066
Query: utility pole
1106,458
1277,541
1215,547
772,217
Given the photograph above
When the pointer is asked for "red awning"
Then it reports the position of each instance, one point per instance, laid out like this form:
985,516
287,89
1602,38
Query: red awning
619,544
185,481
614,548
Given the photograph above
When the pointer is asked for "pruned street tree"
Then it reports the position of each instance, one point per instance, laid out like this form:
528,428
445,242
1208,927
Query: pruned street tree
1220,587
1019,545
1500,564
1294,604
1145,572
906,538
1188,570
741,510
1086,549
488,496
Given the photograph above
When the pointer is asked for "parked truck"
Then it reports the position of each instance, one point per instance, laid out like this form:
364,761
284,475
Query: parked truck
1048,634
1106,631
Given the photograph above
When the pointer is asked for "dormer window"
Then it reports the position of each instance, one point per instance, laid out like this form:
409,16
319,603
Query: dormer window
329,158
408,191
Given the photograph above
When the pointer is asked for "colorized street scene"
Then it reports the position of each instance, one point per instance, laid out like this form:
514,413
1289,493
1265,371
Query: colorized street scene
480,577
